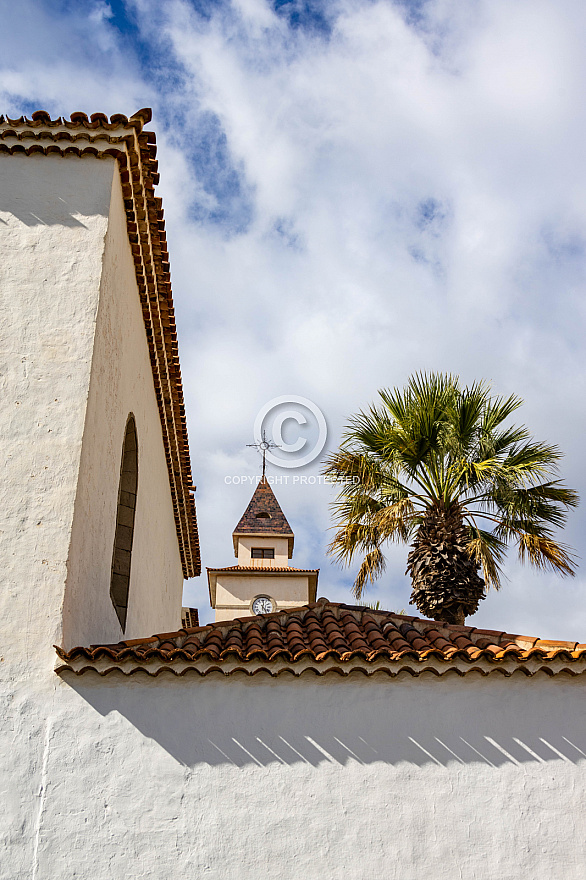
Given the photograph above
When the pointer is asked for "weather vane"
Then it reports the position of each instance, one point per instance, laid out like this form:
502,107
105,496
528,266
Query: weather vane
263,446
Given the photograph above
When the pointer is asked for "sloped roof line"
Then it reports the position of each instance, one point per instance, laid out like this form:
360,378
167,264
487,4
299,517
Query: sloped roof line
263,514
325,637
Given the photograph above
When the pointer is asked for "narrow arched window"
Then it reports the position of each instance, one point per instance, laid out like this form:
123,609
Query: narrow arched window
122,555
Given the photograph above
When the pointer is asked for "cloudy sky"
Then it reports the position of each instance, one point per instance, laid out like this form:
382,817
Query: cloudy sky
354,190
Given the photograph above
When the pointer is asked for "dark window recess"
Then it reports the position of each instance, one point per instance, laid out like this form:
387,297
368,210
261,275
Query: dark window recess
263,515
262,553
121,557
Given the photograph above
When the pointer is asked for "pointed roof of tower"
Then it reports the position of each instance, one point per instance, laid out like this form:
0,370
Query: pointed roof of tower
264,516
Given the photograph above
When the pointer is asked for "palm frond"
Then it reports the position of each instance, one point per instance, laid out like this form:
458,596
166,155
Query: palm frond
546,554
466,416
397,521
372,567
354,538
536,508
499,443
376,606
365,524
498,410
531,460
488,551
554,491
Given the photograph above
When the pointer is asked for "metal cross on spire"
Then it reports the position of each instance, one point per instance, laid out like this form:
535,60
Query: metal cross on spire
263,446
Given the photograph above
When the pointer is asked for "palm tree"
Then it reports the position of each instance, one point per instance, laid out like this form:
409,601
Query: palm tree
433,465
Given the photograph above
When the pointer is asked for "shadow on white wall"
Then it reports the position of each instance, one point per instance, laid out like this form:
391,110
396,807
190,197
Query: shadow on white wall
491,721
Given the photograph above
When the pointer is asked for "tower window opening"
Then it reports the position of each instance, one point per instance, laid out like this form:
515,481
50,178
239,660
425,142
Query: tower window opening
263,515
122,553
262,553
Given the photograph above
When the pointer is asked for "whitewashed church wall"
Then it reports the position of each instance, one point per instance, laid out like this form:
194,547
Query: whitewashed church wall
53,219
121,383
406,779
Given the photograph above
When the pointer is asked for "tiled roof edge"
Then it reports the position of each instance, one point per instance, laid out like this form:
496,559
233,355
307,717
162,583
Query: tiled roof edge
396,643
408,666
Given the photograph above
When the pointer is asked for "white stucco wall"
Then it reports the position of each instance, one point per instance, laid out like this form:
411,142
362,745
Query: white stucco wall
280,546
406,779
58,221
121,383
53,222
235,592
74,362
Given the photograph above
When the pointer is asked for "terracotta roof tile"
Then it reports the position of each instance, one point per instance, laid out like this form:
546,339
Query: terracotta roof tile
328,636
124,139
548,643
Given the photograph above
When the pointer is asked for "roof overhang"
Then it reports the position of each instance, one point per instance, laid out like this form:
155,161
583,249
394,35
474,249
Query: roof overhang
157,662
327,637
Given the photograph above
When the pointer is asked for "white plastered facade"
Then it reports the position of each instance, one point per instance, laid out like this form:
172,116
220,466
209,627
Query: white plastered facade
121,383
310,779
245,543
74,364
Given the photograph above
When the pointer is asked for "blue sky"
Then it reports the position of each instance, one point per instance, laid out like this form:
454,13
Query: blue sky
354,190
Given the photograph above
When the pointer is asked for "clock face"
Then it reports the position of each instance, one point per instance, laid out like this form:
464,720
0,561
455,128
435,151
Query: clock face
263,605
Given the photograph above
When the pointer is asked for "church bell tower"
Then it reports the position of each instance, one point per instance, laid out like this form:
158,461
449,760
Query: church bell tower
262,582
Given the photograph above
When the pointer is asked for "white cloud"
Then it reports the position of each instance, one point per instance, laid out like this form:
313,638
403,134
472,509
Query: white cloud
346,208
66,63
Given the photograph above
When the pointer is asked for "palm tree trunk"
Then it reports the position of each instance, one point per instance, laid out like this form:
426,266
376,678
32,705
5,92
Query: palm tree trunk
445,579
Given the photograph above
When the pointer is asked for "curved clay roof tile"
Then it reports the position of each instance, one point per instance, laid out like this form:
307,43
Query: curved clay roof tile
331,637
